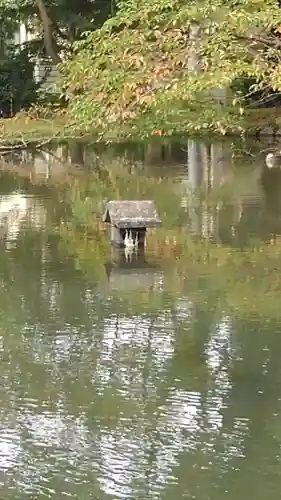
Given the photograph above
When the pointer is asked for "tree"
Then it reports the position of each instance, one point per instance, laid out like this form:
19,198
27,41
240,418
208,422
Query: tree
57,23
134,69
66,20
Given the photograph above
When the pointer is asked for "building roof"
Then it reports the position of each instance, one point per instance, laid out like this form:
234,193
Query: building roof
131,214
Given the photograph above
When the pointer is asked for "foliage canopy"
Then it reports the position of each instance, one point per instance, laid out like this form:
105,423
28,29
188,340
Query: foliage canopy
134,69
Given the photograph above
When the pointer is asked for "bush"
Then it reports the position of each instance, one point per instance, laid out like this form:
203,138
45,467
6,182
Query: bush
17,85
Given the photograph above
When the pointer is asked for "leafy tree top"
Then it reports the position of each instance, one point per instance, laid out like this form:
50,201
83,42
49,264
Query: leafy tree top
135,66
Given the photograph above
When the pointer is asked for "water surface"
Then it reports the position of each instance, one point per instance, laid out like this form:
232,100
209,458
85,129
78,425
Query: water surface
155,378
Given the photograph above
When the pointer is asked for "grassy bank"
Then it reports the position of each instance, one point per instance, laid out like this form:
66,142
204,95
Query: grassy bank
24,130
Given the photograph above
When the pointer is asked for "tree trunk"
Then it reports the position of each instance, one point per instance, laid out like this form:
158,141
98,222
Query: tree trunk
50,44
194,50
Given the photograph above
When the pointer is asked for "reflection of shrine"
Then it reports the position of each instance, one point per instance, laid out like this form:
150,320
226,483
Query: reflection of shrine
127,272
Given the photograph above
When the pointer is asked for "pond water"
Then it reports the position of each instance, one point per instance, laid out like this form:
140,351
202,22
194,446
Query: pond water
153,377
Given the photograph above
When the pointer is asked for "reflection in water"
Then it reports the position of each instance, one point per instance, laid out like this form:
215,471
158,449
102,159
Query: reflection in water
152,378
17,210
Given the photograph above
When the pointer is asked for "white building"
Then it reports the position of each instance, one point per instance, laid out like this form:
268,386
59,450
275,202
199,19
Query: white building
23,35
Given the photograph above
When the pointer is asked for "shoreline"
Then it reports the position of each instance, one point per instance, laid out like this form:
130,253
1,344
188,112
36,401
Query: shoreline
22,132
